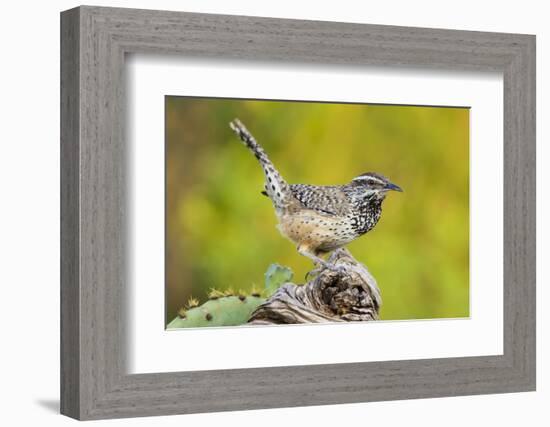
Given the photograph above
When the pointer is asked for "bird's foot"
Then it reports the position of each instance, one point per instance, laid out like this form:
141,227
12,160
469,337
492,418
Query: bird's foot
313,273
339,268
335,268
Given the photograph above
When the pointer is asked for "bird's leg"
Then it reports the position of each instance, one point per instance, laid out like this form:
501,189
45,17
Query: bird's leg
320,262
307,252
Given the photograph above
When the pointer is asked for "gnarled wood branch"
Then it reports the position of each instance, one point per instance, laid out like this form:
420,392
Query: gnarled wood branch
331,296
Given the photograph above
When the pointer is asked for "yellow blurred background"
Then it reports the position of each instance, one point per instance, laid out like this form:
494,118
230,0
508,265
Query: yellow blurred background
220,231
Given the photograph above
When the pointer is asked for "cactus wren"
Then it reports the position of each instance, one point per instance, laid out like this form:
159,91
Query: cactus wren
320,219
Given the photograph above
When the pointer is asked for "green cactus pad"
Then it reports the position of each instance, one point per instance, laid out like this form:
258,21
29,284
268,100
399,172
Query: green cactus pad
224,308
276,276
224,311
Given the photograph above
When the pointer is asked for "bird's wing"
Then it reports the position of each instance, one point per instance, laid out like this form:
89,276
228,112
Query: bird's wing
327,200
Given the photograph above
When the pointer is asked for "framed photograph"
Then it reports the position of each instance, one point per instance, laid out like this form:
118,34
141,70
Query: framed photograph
262,213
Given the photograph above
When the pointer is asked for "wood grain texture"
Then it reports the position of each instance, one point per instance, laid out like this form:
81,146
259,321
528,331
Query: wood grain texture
94,197
70,292
331,296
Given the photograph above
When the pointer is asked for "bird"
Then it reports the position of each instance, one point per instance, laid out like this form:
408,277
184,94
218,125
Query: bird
320,218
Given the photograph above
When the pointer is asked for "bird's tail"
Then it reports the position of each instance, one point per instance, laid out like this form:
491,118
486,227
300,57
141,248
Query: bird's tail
276,187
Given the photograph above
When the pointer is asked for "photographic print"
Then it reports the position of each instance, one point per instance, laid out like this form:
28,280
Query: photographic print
293,212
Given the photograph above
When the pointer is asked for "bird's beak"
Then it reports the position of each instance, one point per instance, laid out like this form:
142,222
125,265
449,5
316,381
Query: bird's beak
390,186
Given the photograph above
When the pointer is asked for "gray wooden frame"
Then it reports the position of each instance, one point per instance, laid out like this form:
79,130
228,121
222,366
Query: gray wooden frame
94,41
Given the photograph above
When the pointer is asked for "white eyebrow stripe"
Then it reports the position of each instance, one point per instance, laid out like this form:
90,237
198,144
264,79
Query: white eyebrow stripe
369,177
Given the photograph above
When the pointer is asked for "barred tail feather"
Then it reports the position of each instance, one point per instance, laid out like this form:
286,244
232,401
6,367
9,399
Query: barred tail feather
275,186
248,140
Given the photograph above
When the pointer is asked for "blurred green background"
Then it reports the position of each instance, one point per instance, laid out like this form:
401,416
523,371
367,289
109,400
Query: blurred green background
220,231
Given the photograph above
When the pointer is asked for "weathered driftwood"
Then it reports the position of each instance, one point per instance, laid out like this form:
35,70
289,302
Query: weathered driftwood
331,296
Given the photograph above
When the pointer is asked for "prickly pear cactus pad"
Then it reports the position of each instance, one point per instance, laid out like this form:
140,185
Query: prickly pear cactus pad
275,277
222,311
225,308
